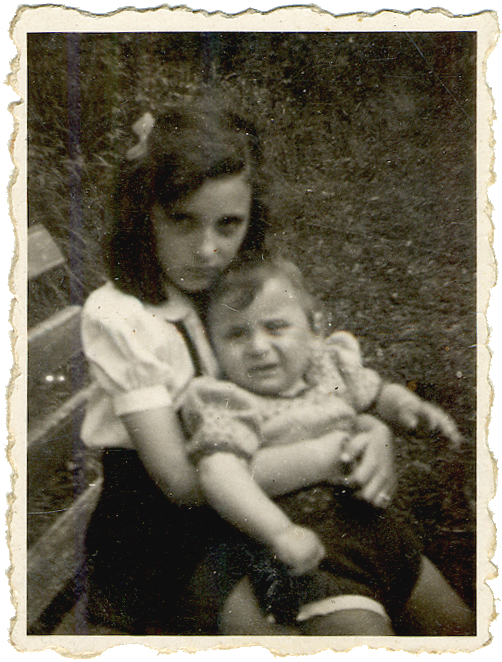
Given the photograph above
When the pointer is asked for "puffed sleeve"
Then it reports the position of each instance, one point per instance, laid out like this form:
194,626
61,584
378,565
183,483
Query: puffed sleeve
219,417
362,384
139,359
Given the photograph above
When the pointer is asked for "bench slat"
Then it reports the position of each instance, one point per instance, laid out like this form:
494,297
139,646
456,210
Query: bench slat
55,558
43,252
41,431
53,343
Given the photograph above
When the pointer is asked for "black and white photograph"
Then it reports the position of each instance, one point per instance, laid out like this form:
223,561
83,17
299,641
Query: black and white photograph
255,398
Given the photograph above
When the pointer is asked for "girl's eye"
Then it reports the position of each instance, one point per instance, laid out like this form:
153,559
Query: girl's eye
229,224
183,222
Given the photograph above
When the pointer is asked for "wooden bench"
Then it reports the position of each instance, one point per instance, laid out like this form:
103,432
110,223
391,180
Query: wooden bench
64,479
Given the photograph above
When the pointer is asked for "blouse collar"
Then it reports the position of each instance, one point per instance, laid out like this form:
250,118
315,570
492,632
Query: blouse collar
177,307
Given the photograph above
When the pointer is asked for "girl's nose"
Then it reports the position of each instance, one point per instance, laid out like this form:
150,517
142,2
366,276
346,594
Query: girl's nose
207,247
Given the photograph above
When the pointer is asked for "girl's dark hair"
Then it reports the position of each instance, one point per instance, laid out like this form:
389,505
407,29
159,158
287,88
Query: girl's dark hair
187,145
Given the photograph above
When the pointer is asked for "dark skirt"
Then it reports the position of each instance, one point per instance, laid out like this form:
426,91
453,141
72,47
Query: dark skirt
142,554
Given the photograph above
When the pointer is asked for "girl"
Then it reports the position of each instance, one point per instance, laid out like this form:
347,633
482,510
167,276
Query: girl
286,384
188,202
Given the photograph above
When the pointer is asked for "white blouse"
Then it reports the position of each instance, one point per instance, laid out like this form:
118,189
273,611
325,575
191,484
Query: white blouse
138,359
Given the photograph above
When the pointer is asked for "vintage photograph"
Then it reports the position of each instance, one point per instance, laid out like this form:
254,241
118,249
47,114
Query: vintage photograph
251,333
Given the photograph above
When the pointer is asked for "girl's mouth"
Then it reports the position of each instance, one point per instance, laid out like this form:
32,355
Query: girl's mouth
203,273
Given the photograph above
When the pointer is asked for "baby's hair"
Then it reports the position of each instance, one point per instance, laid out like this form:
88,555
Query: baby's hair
177,153
245,279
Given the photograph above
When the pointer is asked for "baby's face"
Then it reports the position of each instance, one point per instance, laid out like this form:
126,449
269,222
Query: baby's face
266,347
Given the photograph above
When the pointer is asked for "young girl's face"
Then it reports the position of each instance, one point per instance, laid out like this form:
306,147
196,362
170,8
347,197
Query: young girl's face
266,347
201,234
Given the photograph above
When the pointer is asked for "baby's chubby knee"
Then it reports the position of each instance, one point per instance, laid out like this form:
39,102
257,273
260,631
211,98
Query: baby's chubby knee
347,622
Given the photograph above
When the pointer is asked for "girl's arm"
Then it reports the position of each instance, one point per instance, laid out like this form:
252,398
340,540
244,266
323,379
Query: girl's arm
159,440
230,489
368,451
283,469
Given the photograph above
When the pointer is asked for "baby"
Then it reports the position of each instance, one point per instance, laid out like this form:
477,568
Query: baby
284,384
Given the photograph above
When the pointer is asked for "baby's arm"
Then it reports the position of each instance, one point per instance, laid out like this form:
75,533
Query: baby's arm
226,483
229,487
399,406
394,403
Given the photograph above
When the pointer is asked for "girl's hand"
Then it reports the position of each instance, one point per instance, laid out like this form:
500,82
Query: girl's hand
369,457
299,548
401,407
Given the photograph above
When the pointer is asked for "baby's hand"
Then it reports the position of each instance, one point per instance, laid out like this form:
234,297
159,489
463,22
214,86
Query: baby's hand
299,548
400,406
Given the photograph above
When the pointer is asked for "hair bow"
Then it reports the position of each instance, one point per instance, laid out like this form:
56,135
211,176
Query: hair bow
142,128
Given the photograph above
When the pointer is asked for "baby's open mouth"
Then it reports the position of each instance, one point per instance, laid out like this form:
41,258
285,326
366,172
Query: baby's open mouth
263,369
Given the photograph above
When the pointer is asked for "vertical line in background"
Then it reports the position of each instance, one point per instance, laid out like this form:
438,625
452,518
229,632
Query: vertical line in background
75,259
210,55
75,222
75,252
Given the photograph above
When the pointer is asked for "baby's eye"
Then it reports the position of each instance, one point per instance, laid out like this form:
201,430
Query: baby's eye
229,224
236,334
276,327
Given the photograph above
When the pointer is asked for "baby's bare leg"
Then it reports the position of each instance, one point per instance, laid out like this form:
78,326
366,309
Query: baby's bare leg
242,615
435,609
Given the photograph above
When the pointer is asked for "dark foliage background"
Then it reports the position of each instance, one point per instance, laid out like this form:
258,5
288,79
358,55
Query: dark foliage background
370,151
